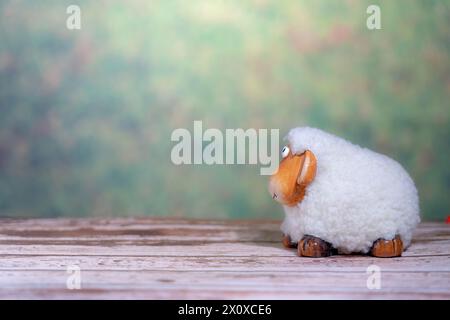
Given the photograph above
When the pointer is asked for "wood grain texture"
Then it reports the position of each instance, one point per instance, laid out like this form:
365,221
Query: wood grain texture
156,258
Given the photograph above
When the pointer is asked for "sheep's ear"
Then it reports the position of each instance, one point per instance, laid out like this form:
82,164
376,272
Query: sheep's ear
308,169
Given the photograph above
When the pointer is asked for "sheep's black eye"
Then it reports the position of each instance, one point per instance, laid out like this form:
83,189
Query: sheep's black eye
285,152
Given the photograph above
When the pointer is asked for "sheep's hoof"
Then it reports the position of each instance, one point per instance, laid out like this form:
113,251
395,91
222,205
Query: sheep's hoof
314,247
383,248
287,242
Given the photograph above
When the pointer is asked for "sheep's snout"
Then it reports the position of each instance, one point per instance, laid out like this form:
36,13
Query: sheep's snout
275,191
295,173
283,185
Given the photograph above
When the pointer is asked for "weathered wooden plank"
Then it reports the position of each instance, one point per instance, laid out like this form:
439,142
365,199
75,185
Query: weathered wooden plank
159,234
67,231
146,223
185,248
214,264
169,285
155,231
118,221
204,294
149,227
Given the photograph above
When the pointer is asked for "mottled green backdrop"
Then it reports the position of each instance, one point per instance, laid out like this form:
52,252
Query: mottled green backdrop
86,116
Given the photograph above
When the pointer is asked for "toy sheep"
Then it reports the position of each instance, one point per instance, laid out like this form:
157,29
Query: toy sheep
341,198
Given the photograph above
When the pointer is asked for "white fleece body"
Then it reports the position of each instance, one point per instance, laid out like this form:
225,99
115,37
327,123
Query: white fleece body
357,196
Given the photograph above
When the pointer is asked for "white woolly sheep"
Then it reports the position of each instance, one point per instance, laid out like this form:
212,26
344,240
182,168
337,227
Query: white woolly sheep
339,197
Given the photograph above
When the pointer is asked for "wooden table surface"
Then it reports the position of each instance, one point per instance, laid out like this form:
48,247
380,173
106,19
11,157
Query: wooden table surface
154,258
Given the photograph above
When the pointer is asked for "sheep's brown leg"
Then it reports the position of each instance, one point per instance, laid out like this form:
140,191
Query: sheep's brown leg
383,248
287,243
314,247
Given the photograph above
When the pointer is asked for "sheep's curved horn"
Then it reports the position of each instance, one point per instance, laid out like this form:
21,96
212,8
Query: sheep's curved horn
308,169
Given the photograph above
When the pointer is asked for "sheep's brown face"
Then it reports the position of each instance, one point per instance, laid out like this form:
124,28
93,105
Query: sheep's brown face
295,173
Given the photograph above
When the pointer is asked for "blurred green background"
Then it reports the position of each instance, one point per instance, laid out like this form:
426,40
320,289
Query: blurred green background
86,116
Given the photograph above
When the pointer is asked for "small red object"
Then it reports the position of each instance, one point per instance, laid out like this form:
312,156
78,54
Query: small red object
448,220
